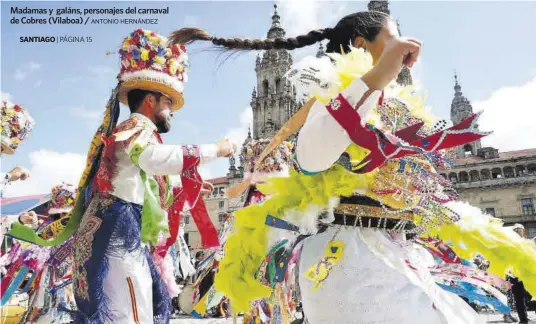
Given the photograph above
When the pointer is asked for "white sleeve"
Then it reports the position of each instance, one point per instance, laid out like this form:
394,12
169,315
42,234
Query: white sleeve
161,159
322,140
208,152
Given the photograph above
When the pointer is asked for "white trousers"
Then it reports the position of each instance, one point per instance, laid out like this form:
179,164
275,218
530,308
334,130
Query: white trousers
373,284
128,286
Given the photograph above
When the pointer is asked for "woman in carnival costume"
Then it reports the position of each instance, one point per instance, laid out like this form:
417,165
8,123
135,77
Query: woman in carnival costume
366,189
124,192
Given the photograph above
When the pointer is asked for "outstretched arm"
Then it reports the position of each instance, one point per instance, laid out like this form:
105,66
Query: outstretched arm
162,159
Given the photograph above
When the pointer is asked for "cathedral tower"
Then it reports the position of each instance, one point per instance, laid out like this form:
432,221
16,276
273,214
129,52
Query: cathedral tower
273,100
459,110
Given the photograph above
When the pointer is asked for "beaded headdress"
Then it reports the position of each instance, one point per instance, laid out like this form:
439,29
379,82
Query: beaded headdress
277,161
16,125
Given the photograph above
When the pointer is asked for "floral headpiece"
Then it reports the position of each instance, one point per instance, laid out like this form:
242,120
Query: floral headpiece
278,160
16,125
63,199
149,62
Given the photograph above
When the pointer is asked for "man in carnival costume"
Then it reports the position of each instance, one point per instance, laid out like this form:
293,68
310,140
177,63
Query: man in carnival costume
124,193
366,190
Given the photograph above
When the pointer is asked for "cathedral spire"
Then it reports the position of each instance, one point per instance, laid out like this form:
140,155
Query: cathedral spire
379,5
320,52
460,107
276,31
457,87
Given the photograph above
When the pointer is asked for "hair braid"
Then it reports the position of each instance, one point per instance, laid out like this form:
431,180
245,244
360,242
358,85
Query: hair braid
189,35
366,24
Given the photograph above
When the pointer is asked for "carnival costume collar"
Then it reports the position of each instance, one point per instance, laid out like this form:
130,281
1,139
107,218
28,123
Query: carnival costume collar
145,120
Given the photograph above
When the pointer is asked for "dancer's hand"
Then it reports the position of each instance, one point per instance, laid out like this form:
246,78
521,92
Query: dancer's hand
226,148
19,173
28,218
398,52
207,188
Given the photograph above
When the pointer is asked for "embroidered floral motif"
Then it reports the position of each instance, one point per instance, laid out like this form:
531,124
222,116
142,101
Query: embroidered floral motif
335,104
191,151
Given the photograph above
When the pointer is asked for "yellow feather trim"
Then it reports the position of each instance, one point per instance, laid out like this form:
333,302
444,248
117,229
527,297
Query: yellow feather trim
477,233
246,249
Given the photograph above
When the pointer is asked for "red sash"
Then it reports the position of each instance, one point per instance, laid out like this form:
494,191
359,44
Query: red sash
189,198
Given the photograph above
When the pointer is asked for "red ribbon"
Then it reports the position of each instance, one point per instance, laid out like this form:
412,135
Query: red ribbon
189,197
174,220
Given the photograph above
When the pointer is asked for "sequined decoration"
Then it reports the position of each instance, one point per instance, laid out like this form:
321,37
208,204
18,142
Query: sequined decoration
412,185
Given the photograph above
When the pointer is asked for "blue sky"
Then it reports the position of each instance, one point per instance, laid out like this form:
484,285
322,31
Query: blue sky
65,86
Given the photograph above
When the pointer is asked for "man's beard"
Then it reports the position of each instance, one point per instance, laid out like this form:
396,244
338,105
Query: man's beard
162,125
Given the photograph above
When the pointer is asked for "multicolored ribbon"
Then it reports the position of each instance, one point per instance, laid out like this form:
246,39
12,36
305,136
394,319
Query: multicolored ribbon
472,294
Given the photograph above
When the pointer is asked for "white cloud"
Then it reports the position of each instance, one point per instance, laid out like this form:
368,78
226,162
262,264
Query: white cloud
4,96
510,113
38,84
22,71
239,134
48,169
299,17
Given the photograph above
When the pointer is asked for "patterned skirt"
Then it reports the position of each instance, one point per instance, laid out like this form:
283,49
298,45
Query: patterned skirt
114,276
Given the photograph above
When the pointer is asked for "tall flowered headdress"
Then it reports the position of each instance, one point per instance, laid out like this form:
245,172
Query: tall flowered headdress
16,125
63,198
148,62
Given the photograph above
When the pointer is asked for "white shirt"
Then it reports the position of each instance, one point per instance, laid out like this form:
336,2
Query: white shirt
156,159
322,139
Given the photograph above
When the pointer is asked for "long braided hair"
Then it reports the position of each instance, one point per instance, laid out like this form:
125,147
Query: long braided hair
366,24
